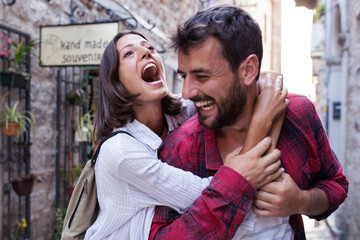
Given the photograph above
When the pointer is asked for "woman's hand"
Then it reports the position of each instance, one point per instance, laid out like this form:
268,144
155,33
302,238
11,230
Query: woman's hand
269,109
271,102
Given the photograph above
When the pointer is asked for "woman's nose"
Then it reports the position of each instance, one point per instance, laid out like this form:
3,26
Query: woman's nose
146,53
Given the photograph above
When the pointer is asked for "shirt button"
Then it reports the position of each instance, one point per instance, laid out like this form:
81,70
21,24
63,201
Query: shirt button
245,198
236,226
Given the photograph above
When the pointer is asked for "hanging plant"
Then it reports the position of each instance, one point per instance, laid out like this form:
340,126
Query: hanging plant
77,96
23,186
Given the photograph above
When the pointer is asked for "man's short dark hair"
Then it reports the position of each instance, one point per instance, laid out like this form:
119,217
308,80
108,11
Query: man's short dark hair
238,33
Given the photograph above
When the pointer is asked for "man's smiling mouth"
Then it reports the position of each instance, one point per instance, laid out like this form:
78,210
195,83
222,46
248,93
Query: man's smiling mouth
205,105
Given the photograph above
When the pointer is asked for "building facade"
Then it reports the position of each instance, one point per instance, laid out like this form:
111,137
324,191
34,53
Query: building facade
53,146
335,53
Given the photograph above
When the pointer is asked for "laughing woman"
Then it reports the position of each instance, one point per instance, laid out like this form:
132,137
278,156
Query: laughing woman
131,181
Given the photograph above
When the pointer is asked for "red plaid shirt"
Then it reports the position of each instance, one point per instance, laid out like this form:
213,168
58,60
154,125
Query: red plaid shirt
219,211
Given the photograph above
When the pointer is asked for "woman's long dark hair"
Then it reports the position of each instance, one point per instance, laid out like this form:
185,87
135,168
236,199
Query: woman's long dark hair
115,105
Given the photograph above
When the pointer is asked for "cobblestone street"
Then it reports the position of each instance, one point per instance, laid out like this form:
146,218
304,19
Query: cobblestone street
318,230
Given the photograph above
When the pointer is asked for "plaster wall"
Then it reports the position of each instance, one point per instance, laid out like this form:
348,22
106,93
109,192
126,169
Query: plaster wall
342,56
351,215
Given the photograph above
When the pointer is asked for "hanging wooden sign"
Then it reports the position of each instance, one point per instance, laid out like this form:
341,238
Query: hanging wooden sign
74,45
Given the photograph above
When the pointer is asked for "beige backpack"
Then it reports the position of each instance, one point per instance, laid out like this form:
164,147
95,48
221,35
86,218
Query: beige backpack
83,206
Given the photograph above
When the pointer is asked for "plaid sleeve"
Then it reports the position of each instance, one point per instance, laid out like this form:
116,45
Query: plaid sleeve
216,214
331,178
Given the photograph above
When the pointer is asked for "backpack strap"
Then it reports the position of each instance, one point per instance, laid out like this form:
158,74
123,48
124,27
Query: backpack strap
93,160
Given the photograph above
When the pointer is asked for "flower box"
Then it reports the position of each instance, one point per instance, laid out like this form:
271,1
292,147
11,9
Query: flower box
14,80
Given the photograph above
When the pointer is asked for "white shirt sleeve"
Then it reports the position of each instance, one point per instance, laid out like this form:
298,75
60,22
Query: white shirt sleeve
151,181
190,107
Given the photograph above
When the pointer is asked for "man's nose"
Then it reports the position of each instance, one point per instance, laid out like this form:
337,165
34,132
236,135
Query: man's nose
189,88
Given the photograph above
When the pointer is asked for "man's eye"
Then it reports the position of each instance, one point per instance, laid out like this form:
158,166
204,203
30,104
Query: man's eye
182,77
202,77
151,48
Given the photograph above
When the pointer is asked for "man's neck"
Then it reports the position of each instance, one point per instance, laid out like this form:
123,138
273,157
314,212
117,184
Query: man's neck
231,137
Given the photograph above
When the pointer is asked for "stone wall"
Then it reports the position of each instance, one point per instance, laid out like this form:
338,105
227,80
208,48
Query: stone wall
351,215
28,16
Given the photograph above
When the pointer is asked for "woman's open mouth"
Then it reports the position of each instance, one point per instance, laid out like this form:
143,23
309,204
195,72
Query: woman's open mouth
150,73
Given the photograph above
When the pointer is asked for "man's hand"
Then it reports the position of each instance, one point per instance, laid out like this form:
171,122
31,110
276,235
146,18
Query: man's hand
254,166
283,198
279,198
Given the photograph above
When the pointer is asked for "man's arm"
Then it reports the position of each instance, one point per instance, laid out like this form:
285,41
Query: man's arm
324,193
221,208
283,198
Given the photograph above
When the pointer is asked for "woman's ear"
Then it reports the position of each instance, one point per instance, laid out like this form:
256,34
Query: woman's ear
249,69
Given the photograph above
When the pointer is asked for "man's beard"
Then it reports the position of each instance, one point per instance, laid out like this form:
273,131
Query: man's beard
229,108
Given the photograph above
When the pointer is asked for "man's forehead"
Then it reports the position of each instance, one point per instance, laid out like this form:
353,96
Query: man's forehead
201,56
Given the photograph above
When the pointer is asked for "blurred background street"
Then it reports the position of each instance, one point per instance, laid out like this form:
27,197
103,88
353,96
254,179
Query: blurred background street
315,44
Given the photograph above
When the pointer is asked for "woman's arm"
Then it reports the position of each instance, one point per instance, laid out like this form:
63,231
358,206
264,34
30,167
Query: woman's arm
130,161
268,112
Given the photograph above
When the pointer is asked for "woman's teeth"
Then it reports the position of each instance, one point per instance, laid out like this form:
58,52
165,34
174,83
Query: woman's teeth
148,66
150,73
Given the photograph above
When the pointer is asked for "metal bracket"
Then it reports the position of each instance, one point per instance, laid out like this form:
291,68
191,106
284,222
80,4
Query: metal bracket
9,3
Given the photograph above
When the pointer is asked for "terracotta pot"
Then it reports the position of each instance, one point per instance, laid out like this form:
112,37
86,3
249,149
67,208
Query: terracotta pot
23,186
12,131
69,191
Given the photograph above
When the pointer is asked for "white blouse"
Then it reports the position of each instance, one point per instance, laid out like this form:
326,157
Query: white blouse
131,181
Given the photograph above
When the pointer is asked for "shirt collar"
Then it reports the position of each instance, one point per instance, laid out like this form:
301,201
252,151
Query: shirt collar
142,133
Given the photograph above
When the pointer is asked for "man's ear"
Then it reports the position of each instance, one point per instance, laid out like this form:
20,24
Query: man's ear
249,69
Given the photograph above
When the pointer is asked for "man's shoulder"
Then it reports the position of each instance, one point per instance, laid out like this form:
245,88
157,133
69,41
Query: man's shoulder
301,113
187,130
189,127
299,106
296,99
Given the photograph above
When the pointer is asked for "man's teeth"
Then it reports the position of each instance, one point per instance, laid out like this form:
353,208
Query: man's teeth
207,108
205,105
148,66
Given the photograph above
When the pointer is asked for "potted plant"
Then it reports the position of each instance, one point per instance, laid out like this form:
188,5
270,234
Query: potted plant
71,176
320,11
58,223
19,230
85,128
14,121
16,76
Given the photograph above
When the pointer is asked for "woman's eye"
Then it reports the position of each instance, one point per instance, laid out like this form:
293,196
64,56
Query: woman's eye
127,54
151,48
